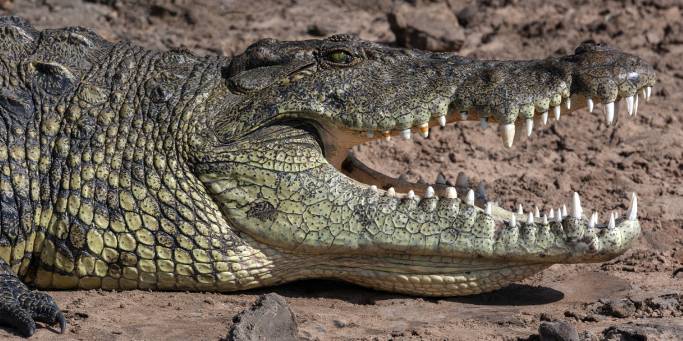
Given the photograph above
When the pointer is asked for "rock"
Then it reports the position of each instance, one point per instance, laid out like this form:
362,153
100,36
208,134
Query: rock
558,331
619,308
432,27
269,318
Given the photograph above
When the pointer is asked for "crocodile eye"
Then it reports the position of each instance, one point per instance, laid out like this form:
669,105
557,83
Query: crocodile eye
339,57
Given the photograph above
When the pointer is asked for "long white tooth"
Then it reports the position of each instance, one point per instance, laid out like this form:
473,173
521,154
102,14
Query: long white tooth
577,211
391,192
556,111
635,105
373,188
411,194
387,135
537,213
508,133
591,221
530,219
564,211
442,120
529,126
633,211
520,209
483,122
463,115
544,117
558,217
489,208
371,134
644,92
568,103
648,93
513,221
551,214
609,112
462,180
405,133
470,198
590,104
451,193
545,220
611,223
629,105
429,193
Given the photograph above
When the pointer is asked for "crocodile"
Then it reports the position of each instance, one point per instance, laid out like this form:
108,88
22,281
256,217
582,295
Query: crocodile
126,168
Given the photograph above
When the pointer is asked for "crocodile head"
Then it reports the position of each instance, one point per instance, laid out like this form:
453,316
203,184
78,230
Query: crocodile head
280,168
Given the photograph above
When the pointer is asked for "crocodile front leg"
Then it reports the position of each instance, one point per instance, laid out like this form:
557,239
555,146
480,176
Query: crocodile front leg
21,308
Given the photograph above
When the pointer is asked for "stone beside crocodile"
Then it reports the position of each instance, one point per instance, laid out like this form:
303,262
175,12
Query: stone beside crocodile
126,168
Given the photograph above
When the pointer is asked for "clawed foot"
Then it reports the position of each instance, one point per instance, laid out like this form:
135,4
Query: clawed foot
21,308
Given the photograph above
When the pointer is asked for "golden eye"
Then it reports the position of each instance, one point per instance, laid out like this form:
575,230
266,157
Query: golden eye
339,57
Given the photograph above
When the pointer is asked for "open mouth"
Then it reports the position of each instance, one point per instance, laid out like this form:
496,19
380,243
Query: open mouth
476,195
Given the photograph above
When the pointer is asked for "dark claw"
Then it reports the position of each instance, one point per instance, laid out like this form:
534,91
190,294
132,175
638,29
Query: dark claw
62,322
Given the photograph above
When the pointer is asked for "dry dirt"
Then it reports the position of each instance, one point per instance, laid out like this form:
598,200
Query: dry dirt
579,153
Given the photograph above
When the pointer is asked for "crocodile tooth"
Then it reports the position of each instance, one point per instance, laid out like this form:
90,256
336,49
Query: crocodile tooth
424,129
591,223
371,134
470,198
609,112
442,121
537,213
568,103
529,126
405,133
649,92
530,218
508,134
589,103
564,211
411,194
633,211
463,115
462,180
481,190
440,179
577,211
556,112
545,220
635,105
391,192
544,117
489,208
520,209
451,193
513,221
429,193
629,105
644,92
558,217
373,188
483,122
551,214
387,135
611,224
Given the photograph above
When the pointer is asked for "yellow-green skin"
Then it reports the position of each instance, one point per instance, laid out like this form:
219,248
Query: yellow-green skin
123,168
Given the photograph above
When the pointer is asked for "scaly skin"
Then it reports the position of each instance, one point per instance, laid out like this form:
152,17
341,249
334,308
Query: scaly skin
125,168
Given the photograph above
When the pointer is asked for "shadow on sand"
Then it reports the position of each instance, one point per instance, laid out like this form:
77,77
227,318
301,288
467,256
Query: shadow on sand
512,295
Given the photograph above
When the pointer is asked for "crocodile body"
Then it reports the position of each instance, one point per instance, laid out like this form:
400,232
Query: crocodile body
124,168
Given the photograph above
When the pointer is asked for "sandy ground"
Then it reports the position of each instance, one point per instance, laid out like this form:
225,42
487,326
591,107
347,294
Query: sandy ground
579,153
